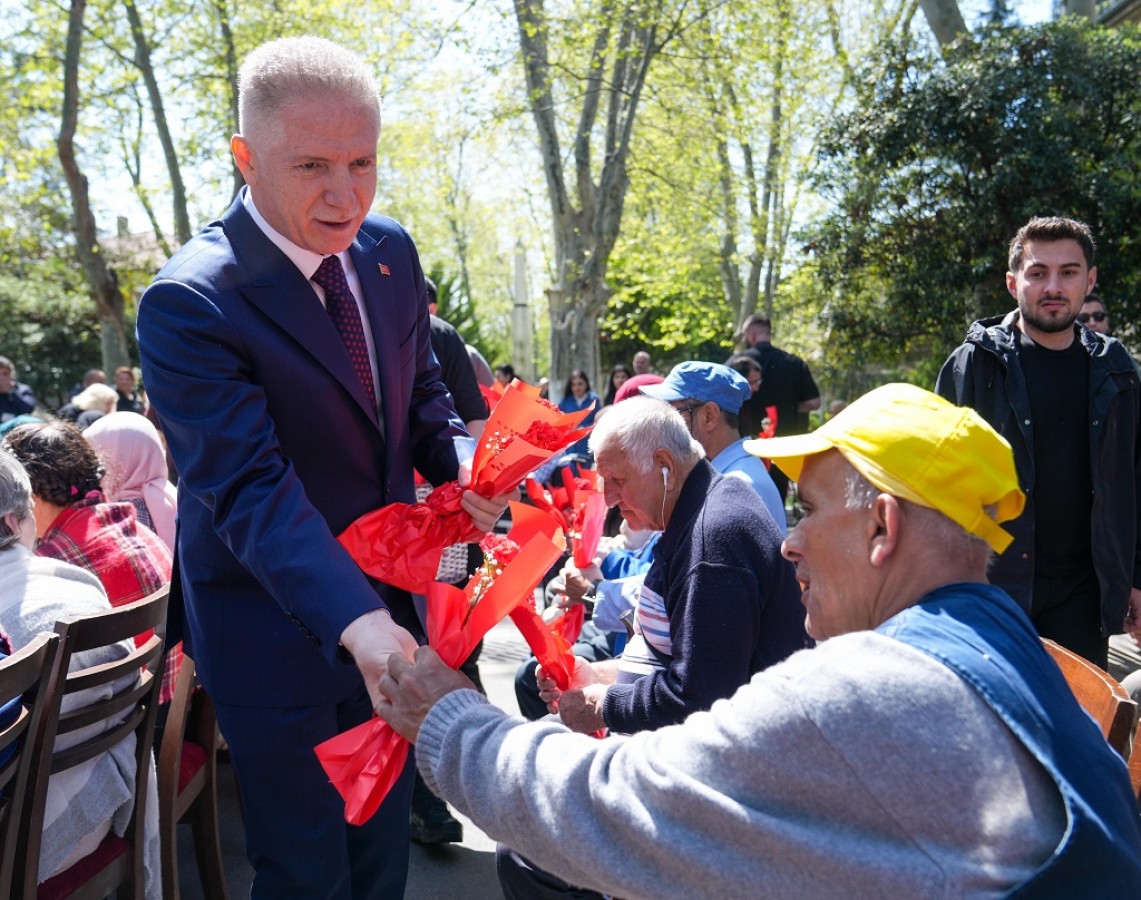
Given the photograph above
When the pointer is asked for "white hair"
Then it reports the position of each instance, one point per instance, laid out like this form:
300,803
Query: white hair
279,72
937,528
639,426
15,497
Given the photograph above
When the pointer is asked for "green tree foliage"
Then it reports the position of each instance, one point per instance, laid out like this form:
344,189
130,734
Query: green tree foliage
946,157
48,330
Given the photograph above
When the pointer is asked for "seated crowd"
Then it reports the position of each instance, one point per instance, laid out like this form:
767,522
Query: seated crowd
846,706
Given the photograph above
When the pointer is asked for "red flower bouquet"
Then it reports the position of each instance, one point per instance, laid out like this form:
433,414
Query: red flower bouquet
364,762
401,543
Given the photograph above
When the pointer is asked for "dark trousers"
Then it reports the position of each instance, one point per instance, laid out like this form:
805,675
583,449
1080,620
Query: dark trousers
1076,625
522,880
593,645
296,836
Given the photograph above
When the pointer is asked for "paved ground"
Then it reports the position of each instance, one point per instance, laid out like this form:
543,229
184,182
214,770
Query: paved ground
449,872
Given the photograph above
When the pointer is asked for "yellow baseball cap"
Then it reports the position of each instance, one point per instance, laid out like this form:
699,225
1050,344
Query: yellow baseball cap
915,445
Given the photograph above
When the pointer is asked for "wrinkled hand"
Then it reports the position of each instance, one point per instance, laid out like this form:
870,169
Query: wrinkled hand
575,587
549,692
581,710
410,690
372,639
1132,625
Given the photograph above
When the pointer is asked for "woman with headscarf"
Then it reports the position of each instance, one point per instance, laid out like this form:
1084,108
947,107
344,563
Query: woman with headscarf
77,524
136,470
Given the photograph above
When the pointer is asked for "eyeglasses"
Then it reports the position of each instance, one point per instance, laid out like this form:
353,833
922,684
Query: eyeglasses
688,410
1096,316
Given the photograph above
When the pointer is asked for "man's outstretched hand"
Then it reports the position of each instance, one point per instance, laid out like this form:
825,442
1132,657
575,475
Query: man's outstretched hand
373,639
411,689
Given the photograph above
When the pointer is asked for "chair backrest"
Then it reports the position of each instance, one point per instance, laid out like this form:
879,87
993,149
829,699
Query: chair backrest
24,680
117,712
1135,764
1099,695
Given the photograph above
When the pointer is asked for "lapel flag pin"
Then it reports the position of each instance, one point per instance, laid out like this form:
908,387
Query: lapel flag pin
384,270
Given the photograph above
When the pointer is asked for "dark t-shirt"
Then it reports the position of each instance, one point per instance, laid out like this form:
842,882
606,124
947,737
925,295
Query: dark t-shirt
786,383
1057,382
456,371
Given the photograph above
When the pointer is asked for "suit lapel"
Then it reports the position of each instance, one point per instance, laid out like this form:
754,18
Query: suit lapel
276,287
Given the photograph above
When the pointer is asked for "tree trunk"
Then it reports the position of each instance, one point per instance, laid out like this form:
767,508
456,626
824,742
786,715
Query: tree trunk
132,162
944,18
586,227
101,278
230,55
143,63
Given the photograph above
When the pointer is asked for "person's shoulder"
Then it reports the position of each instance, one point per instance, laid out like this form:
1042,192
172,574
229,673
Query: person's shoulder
866,669
1109,348
62,589
378,227
445,331
732,514
207,265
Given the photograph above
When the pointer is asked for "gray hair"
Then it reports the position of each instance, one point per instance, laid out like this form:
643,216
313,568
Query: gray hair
279,72
639,426
15,497
936,528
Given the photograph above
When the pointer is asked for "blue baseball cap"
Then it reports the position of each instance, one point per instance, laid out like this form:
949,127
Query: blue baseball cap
704,381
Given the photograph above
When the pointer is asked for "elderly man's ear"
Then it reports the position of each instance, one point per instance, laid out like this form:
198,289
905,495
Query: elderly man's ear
886,515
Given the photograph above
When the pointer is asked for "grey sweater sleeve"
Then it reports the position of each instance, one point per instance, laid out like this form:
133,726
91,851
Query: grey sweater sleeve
821,776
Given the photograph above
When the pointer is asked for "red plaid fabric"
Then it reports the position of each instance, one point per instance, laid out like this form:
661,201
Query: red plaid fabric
129,559
346,315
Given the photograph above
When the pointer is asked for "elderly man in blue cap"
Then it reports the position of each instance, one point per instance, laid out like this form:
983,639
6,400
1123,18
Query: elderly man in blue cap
709,397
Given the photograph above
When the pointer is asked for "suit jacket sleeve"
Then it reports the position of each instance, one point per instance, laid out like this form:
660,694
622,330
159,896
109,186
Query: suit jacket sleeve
215,417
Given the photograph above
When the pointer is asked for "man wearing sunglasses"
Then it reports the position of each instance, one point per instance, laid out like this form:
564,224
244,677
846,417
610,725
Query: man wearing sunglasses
1093,314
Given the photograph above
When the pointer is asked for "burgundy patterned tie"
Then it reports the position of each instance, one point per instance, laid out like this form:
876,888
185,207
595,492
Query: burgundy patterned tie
346,316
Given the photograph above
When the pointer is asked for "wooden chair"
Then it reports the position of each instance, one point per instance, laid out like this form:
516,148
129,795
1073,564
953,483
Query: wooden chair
117,864
24,680
1135,764
188,785
1099,695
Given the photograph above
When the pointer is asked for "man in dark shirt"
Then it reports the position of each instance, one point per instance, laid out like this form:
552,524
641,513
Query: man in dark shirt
1067,400
15,399
786,385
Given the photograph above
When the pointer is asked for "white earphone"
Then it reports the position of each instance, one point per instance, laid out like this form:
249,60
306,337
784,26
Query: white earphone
665,476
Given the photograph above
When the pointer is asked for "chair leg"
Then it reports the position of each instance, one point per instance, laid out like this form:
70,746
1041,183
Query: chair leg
208,844
168,848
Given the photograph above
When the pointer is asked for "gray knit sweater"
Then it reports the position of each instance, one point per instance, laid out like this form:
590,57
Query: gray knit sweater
35,592
852,769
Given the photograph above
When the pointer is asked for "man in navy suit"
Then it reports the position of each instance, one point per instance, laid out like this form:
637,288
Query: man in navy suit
284,431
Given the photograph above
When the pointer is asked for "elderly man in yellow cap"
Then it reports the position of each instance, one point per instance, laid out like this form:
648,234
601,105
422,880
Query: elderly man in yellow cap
928,746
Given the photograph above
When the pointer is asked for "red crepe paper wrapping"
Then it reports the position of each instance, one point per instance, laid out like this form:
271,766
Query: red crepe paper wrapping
544,500
551,649
589,518
364,762
401,543
770,430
